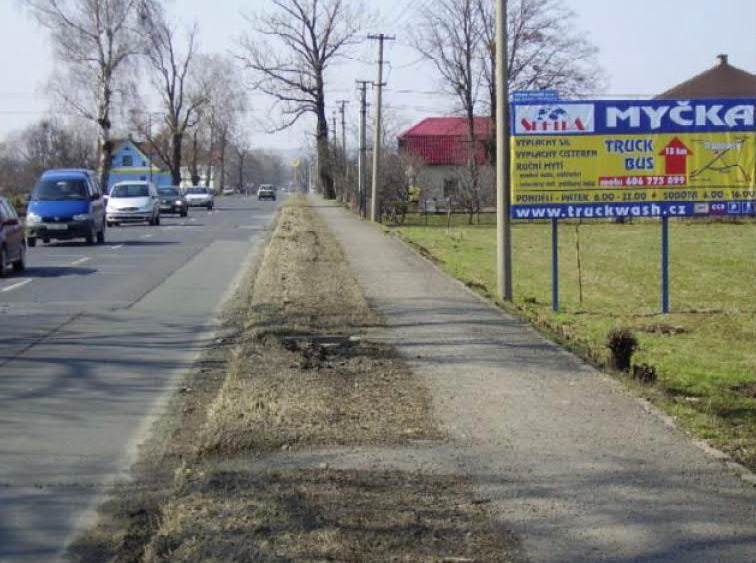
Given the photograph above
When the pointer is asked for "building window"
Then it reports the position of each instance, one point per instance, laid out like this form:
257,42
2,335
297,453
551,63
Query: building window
128,160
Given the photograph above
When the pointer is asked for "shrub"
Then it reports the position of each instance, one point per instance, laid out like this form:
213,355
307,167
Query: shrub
622,343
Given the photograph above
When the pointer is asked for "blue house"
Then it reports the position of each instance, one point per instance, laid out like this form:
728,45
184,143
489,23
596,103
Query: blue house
130,163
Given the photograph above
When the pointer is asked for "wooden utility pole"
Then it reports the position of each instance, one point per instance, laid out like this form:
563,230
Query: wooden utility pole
362,157
343,104
333,120
347,187
503,184
375,206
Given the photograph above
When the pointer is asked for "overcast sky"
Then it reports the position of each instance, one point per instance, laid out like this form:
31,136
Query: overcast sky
646,46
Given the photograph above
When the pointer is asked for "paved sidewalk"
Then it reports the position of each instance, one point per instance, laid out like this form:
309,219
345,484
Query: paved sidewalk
571,462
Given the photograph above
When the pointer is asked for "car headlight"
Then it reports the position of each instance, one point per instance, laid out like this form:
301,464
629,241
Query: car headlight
33,219
82,217
179,202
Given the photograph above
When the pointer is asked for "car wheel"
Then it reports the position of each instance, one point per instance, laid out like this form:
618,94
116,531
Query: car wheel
2,262
46,240
31,241
20,264
91,236
184,213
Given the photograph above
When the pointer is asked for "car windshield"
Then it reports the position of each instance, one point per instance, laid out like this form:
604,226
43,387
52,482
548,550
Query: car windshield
56,190
196,191
130,190
169,191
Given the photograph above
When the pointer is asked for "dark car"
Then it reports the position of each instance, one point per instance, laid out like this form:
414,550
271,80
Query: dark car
12,240
66,204
172,201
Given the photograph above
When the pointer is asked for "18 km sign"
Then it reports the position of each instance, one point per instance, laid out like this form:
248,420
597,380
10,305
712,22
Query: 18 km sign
633,158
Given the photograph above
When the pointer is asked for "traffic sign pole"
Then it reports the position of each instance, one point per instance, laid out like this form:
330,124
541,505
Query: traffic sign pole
555,264
665,264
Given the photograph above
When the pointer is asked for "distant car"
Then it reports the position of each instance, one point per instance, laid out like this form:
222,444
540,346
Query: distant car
133,202
266,191
12,239
172,201
199,197
228,191
66,204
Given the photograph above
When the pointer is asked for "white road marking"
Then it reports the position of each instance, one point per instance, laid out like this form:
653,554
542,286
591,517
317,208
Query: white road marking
117,247
16,285
79,261
146,236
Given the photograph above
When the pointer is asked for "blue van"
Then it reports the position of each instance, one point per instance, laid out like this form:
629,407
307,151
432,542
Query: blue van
66,204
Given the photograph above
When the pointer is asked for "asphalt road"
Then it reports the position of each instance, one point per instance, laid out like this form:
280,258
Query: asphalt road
93,340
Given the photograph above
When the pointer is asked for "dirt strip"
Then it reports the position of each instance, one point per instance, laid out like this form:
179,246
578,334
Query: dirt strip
228,473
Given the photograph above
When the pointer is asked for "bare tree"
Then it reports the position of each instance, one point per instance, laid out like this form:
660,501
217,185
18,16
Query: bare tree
42,145
450,35
217,77
93,39
171,70
545,50
295,44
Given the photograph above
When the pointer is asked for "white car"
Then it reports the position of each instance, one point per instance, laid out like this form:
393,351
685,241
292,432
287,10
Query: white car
199,197
133,202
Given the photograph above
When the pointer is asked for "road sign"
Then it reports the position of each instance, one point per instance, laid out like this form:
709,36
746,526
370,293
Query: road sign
535,95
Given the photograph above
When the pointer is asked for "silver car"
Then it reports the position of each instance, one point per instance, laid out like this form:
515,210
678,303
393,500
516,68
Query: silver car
199,197
133,202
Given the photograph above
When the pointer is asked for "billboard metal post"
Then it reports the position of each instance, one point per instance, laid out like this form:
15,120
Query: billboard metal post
555,264
665,264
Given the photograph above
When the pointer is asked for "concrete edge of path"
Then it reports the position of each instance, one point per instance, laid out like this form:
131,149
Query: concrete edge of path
745,474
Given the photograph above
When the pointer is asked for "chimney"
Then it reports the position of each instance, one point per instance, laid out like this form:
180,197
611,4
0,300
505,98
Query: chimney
722,59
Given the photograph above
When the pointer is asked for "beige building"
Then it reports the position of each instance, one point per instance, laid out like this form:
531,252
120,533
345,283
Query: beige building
438,148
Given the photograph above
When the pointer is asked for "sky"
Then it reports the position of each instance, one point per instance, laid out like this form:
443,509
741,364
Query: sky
645,47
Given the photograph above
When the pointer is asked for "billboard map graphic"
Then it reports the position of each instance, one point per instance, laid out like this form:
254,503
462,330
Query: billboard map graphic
652,158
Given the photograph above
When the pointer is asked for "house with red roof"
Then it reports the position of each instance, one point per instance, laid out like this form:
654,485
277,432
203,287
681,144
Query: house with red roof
439,148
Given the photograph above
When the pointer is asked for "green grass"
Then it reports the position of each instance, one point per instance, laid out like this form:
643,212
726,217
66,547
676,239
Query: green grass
712,299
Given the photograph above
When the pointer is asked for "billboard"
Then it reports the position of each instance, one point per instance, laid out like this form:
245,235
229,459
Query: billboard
594,159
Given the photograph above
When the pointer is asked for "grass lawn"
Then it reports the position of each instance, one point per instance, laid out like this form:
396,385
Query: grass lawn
704,351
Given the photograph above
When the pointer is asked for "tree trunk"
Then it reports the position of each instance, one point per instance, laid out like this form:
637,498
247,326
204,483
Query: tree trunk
223,145
325,172
210,161
105,145
195,168
176,159
242,189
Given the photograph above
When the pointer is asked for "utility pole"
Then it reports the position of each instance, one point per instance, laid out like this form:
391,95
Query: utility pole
503,181
343,104
333,119
361,159
347,188
377,133
503,185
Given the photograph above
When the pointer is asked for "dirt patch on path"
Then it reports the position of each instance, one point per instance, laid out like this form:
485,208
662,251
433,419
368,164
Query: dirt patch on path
297,375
